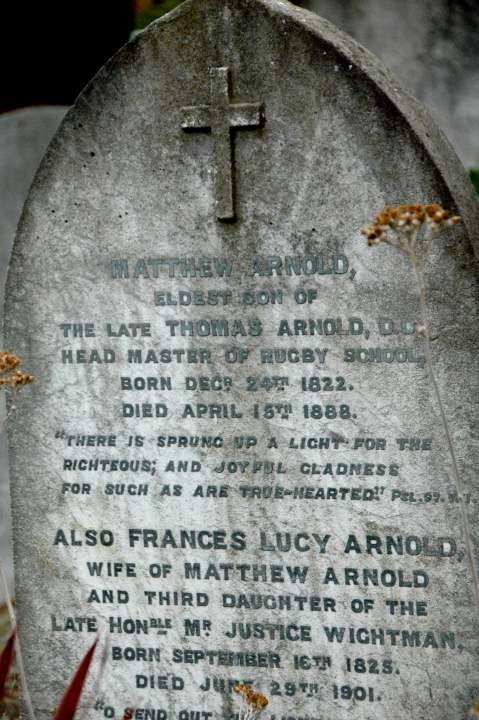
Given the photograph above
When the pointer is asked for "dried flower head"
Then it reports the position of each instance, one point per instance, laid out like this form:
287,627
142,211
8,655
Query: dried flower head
474,711
8,361
10,376
253,703
405,221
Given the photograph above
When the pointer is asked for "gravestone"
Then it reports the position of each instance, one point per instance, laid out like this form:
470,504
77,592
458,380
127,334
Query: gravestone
232,465
24,136
432,46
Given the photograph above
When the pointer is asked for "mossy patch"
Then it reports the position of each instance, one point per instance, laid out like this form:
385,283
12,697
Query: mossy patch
474,175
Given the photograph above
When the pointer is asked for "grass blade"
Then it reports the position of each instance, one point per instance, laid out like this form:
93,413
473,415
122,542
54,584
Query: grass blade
71,698
6,659
98,679
25,691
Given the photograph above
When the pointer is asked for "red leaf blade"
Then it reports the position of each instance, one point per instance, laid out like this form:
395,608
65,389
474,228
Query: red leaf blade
6,659
71,698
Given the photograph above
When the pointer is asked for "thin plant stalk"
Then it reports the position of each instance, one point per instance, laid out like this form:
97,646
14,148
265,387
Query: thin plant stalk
19,658
410,223
417,266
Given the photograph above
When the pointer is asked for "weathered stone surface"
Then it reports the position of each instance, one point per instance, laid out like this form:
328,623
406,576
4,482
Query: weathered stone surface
432,46
24,136
124,235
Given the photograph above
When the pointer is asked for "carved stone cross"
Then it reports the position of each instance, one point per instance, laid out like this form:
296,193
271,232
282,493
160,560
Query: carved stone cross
220,117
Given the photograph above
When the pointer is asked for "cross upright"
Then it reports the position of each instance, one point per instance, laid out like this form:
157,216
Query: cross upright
220,117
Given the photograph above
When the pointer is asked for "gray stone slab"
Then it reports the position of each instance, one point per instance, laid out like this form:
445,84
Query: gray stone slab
24,136
213,177
432,46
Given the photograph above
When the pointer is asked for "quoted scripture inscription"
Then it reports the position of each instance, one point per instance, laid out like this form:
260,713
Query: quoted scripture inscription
232,466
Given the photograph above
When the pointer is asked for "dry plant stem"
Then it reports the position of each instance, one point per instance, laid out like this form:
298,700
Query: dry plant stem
408,223
11,409
19,658
417,265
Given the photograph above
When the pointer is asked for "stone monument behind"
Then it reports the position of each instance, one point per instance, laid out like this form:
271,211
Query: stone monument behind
24,136
432,46
232,464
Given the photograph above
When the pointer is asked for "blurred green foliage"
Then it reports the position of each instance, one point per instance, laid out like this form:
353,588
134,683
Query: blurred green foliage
149,10
474,175
145,15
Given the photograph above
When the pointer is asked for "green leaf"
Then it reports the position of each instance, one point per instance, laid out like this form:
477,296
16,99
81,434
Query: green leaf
474,175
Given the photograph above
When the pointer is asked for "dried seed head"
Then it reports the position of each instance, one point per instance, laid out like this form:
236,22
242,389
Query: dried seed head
10,376
22,378
8,361
474,711
373,234
255,702
258,700
406,220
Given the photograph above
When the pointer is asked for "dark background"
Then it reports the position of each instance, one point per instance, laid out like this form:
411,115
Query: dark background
50,48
